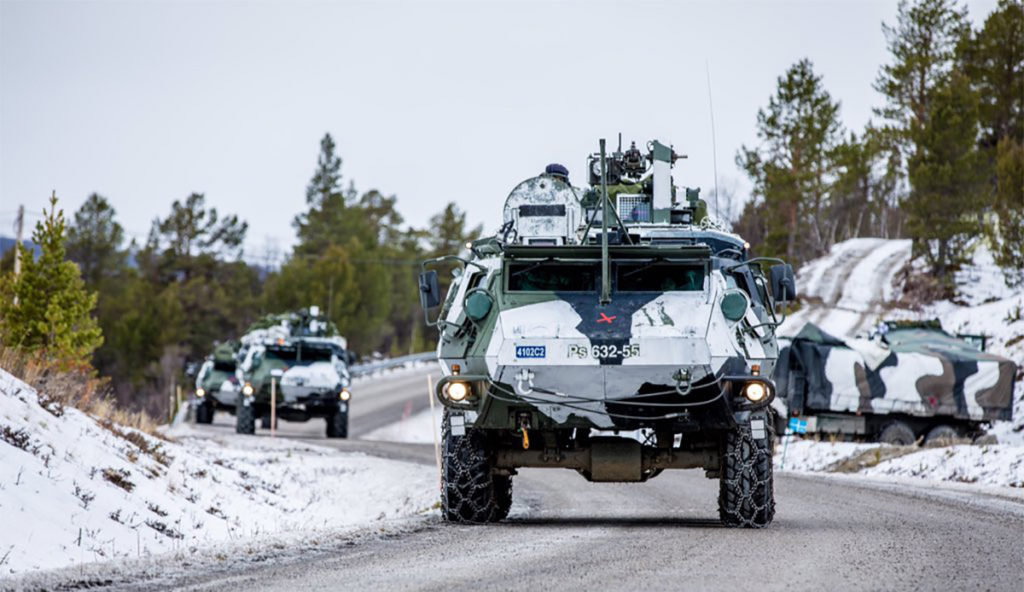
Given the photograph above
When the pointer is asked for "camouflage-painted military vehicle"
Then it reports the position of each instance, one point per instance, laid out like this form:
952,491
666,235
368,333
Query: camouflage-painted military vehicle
306,377
908,382
217,386
585,317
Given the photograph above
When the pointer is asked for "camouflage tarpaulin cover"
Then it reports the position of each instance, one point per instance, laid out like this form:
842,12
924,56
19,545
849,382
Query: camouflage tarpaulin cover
914,370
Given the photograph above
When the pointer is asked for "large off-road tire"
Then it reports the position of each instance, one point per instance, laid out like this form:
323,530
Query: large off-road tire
942,435
897,433
337,424
204,412
245,417
265,422
746,494
469,491
502,496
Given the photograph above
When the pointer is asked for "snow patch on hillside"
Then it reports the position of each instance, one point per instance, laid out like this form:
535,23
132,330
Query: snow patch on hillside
76,490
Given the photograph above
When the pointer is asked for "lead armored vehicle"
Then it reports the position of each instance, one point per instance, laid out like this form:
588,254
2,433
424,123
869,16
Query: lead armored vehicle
610,329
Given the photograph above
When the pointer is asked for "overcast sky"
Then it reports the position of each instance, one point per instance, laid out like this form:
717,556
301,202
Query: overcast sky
146,102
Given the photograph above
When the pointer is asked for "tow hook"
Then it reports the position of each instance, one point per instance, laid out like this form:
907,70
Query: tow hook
683,382
524,375
524,428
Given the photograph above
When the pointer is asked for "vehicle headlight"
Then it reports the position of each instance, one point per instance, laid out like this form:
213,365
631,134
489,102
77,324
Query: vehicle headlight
200,392
458,391
755,391
247,390
345,395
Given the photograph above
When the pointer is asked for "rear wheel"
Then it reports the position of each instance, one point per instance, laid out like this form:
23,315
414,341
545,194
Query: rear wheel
470,492
265,422
942,435
337,424
897,433
746,494
245,417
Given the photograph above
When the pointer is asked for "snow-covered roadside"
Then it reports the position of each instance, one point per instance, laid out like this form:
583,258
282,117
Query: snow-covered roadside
415,429
996,465
74,490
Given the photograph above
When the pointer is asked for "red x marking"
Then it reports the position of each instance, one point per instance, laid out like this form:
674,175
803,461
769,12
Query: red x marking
606,319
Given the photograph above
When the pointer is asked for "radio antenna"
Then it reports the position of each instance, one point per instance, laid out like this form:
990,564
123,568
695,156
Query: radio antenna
714,146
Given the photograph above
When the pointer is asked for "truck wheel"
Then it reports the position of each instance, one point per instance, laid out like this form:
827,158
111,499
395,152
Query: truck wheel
746,494
897,433
265,422
337,424
469,492
245,417
942,435
502,496
204,413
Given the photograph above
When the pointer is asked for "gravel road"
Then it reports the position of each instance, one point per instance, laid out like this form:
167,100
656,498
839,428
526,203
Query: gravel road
665,535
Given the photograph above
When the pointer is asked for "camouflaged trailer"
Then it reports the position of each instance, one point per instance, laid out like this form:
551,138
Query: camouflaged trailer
617,337
908,382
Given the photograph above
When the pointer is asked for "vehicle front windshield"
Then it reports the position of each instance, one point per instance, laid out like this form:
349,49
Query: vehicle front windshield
552,276
659,277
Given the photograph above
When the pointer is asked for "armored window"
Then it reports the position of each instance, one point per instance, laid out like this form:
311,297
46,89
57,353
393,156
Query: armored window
284,354
543,276
661,277
224,366
316,354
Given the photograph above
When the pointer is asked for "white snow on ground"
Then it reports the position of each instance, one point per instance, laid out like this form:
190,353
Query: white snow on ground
73,491
415,429
998,465
852,289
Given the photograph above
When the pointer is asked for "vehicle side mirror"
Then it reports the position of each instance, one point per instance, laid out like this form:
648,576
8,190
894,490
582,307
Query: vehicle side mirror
430,289
783,283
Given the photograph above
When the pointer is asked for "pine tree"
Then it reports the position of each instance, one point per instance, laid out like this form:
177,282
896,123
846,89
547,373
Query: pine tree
947,179
793,168
94,241
923,46
46,309
1009,208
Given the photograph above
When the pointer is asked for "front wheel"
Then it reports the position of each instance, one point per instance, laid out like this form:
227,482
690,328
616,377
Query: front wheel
470,492
245,417
337,422
746,495
204,412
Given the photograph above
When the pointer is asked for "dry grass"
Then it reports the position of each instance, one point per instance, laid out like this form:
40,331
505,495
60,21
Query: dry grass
870,458
61,386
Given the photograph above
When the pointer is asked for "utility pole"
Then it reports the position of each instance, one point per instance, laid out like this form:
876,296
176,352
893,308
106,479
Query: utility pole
19,229
19,224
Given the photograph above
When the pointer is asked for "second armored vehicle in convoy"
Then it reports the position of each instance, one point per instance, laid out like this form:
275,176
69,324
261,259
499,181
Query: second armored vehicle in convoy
305,377
612,330
911,381
295,369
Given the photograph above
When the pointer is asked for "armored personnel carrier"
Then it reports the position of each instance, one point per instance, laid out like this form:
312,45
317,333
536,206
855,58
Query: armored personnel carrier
613,330
305,377
217,386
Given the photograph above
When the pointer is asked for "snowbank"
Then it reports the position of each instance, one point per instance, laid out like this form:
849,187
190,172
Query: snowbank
999,465
416,429
75,490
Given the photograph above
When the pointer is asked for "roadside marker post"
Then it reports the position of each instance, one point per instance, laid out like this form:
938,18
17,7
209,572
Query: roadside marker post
433,424
796,426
